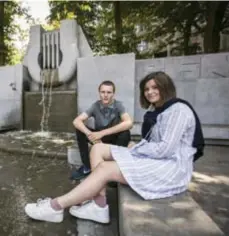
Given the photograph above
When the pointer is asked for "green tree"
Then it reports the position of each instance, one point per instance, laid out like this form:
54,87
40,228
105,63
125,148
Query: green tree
217,18
113,26
85,12
116,27
2,44
188,19
8,27
173,23
105,24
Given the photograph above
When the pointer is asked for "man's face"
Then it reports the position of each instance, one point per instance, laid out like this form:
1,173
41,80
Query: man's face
106,94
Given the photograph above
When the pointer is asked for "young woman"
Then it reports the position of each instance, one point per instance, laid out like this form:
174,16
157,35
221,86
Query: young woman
159,166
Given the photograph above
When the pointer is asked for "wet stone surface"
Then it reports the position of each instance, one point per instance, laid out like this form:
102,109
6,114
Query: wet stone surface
23,179
52,144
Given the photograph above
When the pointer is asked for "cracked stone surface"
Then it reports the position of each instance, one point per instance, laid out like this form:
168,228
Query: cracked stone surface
24,178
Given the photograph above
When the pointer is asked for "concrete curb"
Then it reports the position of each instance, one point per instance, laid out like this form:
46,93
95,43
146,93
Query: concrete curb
39,153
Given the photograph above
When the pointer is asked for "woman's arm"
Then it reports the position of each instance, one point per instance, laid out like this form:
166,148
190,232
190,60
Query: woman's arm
173,126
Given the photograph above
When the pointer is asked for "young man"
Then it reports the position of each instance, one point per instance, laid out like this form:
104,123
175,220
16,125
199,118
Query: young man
112,124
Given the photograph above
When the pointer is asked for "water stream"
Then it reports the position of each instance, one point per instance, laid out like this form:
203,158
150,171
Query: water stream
47,78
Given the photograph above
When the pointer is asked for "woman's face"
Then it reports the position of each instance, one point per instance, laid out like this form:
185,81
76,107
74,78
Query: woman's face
152,93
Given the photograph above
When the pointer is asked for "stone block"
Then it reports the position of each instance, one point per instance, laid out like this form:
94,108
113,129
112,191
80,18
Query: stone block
183,68
179,215
186,90
11,78
63,110
212,101
215,65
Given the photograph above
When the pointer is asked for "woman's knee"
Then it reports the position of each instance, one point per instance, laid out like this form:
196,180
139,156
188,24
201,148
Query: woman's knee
97,147
102,150
110,171
96,151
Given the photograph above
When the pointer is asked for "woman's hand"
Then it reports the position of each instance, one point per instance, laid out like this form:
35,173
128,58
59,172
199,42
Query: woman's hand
131,144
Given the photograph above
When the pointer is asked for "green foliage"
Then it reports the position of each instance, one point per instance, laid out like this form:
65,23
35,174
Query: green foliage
113,26
8,29
121,26
98,24
85,12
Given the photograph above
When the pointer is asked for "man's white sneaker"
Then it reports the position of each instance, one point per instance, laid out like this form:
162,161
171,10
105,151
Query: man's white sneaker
91,211
43,211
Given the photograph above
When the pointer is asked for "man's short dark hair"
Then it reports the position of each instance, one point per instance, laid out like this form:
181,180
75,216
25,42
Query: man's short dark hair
108,83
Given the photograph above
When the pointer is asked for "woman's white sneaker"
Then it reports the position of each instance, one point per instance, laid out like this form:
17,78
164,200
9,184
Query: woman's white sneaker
43,211
76,207
91,211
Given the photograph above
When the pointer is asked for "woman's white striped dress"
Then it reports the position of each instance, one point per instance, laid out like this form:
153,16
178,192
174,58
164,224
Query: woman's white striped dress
162,167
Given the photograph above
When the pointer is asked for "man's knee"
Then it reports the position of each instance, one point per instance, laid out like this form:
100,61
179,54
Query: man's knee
125,134
123,138
79,133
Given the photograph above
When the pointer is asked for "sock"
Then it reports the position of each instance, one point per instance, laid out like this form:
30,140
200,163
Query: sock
55,205
100,200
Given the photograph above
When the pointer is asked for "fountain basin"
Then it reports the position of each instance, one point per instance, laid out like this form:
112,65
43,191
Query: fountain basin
43,144
63,110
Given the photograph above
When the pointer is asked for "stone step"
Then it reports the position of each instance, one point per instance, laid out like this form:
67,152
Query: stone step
179,215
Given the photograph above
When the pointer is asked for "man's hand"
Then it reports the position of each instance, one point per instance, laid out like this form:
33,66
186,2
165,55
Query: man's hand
95,137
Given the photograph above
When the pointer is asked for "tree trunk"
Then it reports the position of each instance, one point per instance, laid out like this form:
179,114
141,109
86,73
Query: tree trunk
187,34
214,18
118,26
2,45
218,25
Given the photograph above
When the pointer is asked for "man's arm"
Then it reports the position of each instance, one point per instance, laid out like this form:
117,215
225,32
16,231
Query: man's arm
125,124
79,123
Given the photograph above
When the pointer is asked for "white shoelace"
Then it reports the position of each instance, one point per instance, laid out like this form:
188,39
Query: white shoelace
41,201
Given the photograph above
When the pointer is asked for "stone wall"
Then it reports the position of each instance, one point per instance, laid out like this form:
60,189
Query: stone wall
203,80
10,96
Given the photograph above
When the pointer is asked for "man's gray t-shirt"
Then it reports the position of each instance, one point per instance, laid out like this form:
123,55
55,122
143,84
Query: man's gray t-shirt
106,116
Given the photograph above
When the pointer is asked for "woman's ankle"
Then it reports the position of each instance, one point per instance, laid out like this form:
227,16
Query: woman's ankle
100,200
55,205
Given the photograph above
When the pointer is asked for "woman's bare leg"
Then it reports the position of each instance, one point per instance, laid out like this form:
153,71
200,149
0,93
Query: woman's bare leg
93,184
100,152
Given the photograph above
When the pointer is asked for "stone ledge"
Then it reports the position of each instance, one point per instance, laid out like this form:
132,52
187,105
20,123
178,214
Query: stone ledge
28,151
55,146
211,132
179,215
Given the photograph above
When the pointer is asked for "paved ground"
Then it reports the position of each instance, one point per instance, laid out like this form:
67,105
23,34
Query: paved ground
210,185
24,178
